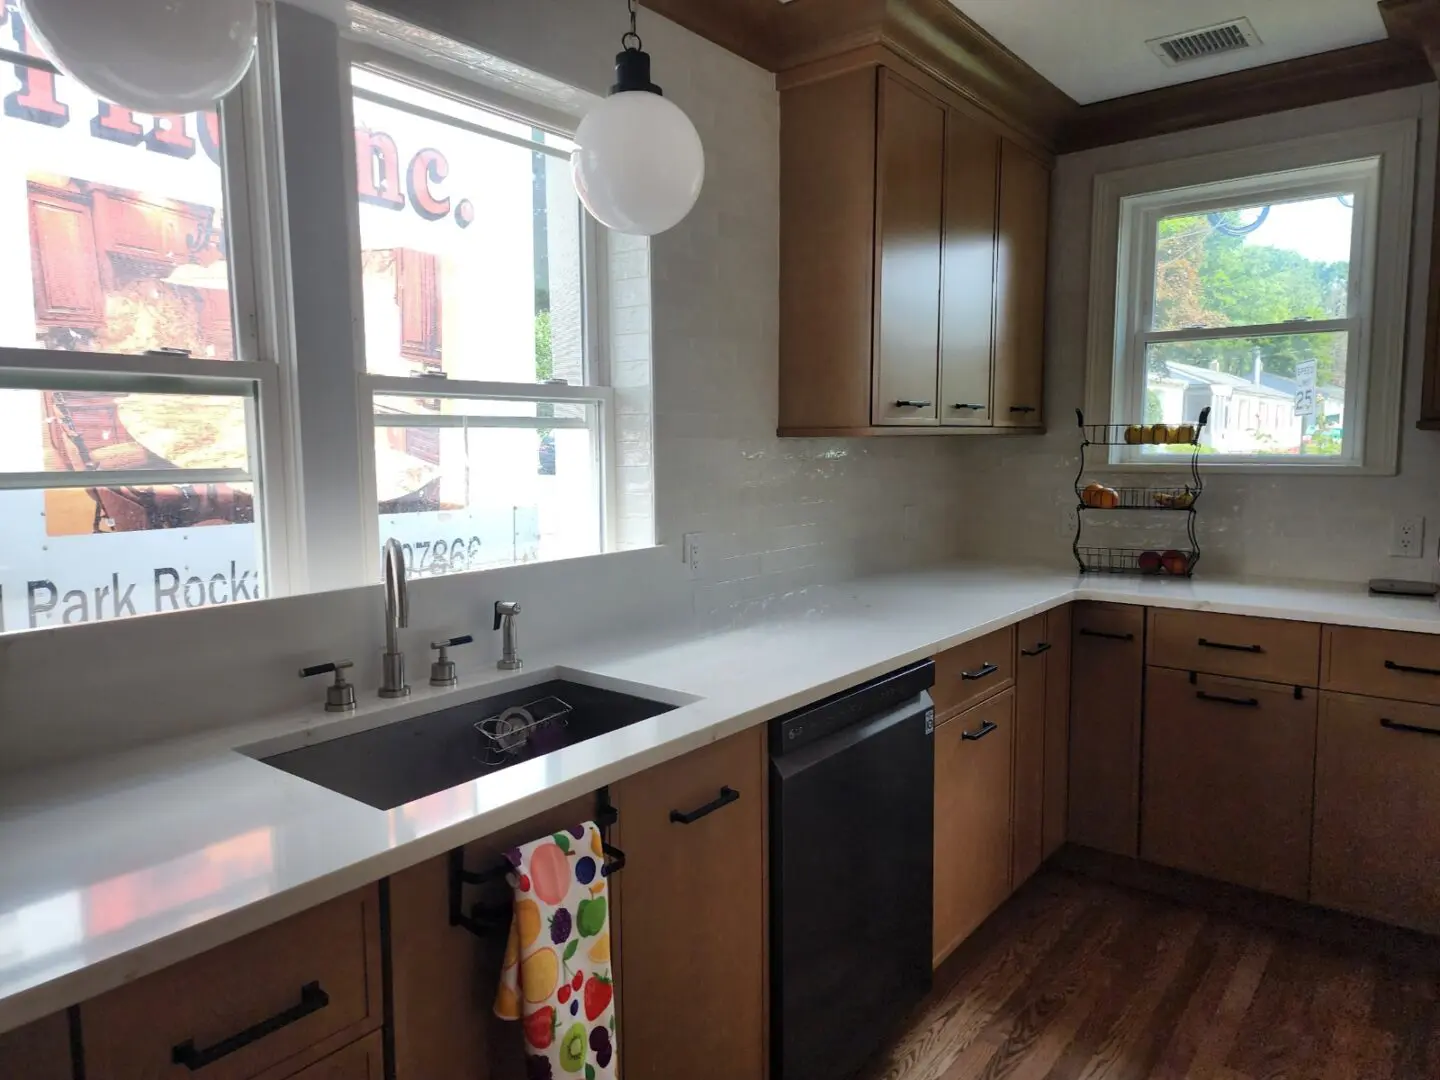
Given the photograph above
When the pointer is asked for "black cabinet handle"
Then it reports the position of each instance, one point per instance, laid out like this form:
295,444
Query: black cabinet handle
727,796
913,404
1106,635
984,729
967,405
1040,648
980,672
1022,408
1232,648
312,999
1221,699
1414,729
1391,665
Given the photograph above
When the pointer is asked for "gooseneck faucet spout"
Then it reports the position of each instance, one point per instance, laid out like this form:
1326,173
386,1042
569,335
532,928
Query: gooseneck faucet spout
397,618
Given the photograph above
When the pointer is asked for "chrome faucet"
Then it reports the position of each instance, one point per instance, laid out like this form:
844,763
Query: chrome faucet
397,618
505,612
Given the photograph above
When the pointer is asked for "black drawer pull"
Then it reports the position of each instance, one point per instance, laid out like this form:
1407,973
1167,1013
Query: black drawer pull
1106,635
1022,408
983,730
1248,702
967,405
913,404
1233,648
1391,665
1041,647
312,1000
1414,729
981,672
727,796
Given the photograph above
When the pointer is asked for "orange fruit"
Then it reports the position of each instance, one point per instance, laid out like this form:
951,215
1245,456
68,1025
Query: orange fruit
527,918
539,972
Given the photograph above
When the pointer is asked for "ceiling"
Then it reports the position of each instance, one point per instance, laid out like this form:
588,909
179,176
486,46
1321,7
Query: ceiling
1095,49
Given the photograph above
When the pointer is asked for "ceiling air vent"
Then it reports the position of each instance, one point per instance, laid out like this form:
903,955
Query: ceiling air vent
1207,41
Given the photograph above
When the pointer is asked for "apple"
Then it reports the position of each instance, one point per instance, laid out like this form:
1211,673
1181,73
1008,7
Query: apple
1149,562
1175,562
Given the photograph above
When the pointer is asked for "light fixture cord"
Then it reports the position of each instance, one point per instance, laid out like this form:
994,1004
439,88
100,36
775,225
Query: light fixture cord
630,35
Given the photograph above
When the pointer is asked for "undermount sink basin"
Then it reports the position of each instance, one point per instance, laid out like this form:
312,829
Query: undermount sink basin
397,763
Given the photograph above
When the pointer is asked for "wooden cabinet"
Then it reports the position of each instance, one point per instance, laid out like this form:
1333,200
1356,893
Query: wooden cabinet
1272,650
443,977
1020,257
967,673
1381,663
1107,678
38,1051
1028,848
63,260
974,772
363,1060
1229,769
266,1005
692,918
912,262
908,206
1377,810
1057,727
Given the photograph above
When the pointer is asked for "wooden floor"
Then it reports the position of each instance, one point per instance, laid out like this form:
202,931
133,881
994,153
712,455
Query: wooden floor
1080,980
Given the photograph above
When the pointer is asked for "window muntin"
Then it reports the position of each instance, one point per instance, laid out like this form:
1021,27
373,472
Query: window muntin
1252,298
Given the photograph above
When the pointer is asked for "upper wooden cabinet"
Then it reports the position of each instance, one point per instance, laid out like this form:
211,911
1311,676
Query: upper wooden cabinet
912,263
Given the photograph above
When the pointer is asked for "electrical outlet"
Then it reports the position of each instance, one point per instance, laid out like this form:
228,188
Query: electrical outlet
1408,540
693,553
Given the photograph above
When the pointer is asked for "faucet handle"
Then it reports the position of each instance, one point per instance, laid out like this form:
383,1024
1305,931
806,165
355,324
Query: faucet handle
442,671
504,608
339,695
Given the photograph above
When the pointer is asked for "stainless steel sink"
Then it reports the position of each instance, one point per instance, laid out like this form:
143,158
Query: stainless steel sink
398,763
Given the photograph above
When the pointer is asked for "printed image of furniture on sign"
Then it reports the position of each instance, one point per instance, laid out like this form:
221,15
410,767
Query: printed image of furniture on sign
92,433
118,271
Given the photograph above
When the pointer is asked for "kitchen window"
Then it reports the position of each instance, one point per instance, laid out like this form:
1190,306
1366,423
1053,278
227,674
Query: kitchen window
1275,299
490,423
137,395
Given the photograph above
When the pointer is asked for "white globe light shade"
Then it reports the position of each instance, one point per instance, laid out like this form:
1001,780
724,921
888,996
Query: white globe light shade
638,164
155,56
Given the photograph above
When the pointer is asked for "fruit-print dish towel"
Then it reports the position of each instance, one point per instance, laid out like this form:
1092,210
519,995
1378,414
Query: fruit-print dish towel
556,976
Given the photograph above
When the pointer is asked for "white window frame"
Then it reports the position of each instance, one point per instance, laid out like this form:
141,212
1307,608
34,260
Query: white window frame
595,390
1378,164
257,372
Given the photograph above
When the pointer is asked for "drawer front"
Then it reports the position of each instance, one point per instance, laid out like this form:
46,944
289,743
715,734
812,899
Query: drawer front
1377,801
267,1005
1117,623
1229,768
1382,663
972,672
40,1051
1272,650
363,1060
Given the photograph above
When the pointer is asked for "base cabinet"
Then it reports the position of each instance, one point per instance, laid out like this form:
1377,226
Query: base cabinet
1107,676
1028,831
692,915
1229,770
363,1060
1377,810
974,773
38,1051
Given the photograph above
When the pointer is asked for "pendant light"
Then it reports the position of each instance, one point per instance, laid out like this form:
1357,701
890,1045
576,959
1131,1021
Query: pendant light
155,56
638,163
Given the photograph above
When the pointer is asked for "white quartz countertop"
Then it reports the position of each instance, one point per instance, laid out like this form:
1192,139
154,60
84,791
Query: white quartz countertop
112,869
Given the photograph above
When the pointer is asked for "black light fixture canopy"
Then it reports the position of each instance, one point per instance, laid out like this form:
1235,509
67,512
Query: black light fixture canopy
632,63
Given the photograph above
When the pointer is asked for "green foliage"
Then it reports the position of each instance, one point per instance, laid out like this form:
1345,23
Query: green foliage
544,355
1205,277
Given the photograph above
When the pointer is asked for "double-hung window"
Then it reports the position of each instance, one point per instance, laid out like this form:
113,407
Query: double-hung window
489,410
1273,299
137,394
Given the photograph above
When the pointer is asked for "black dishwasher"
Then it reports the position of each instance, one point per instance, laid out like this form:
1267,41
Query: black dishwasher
851,869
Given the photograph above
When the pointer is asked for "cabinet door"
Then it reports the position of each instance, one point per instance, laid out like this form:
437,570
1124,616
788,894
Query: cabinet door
63,260
1377,802
1030,677
967,298
1020,288
1229,777
974,759
363,1060
1057,727
417,291
38,1051
1107,675
693,983
907,236
443,977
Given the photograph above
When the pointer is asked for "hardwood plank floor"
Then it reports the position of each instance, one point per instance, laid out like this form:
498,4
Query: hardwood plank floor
1078,979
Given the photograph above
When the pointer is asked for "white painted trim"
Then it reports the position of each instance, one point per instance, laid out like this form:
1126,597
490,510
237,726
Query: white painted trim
406,386
107,478
1380,272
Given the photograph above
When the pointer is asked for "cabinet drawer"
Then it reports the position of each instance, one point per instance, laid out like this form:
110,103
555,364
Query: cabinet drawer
363,1060
1377,801
1229,767
1382,663
1273,650
266,1005
967,673
39,1051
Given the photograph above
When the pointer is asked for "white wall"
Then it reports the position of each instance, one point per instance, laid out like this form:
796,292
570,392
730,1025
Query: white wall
1284,525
